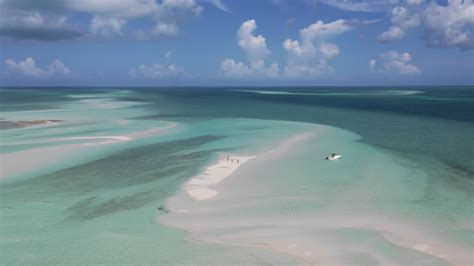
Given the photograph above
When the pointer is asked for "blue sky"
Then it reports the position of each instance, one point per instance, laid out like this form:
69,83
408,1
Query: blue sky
224,42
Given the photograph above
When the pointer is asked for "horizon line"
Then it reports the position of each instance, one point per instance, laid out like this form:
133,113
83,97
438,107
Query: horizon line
223,86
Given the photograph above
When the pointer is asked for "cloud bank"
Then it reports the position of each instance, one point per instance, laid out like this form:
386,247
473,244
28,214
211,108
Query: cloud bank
442,26
29,68
47,20
393,62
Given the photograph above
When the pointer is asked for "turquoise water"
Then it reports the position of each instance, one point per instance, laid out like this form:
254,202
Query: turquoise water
95,183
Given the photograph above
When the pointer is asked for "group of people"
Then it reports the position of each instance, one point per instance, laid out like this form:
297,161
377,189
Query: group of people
232,160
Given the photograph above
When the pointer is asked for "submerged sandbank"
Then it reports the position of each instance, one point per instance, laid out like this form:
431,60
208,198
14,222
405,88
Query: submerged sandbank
11,124
64,152
359,210
38,122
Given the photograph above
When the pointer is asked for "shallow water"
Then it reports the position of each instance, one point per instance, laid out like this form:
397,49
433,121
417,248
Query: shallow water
95,183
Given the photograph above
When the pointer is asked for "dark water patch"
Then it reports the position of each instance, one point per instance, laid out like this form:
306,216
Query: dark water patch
94,207
31,99
9,125
136,166
459,106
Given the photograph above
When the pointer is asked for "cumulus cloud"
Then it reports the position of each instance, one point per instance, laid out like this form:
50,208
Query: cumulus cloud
256,69
29,68
394,33
329,50
255,48
106,27
393,62
170,13
159,71
402,19
308,57
447,26
165,29
295,70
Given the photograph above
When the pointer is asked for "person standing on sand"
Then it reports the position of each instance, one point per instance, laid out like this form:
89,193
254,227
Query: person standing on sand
228,156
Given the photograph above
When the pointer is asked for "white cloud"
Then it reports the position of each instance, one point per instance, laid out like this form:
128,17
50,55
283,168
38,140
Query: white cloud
307,71
181,6
256,50
414,2
115,8
219,5
29,68
321,29
305,49
308,57
170,12
256,69
57,68
394,33
106,27
231,68
165,29
372,64
329,50
159,71
394,62
293,46
361,6
254,46
402,19
450,25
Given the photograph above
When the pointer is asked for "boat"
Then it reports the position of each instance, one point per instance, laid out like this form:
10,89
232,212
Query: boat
334,156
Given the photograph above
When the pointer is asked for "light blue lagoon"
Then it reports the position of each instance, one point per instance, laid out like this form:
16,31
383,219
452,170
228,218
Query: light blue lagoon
104,176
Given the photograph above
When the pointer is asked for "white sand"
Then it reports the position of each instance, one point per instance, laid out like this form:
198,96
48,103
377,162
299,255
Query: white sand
108,139
198,187
311,235
119,138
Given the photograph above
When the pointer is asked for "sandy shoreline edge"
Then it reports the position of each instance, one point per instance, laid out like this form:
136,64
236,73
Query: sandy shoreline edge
311,238
200,187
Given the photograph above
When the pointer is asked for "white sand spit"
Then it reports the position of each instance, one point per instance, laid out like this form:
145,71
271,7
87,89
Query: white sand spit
198,187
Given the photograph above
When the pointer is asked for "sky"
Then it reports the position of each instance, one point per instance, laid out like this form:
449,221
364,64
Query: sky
233,43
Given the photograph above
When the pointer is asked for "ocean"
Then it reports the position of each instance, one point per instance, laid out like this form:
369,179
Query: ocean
150,175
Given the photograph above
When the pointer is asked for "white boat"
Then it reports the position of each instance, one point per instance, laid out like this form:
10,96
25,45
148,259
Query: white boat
334,156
